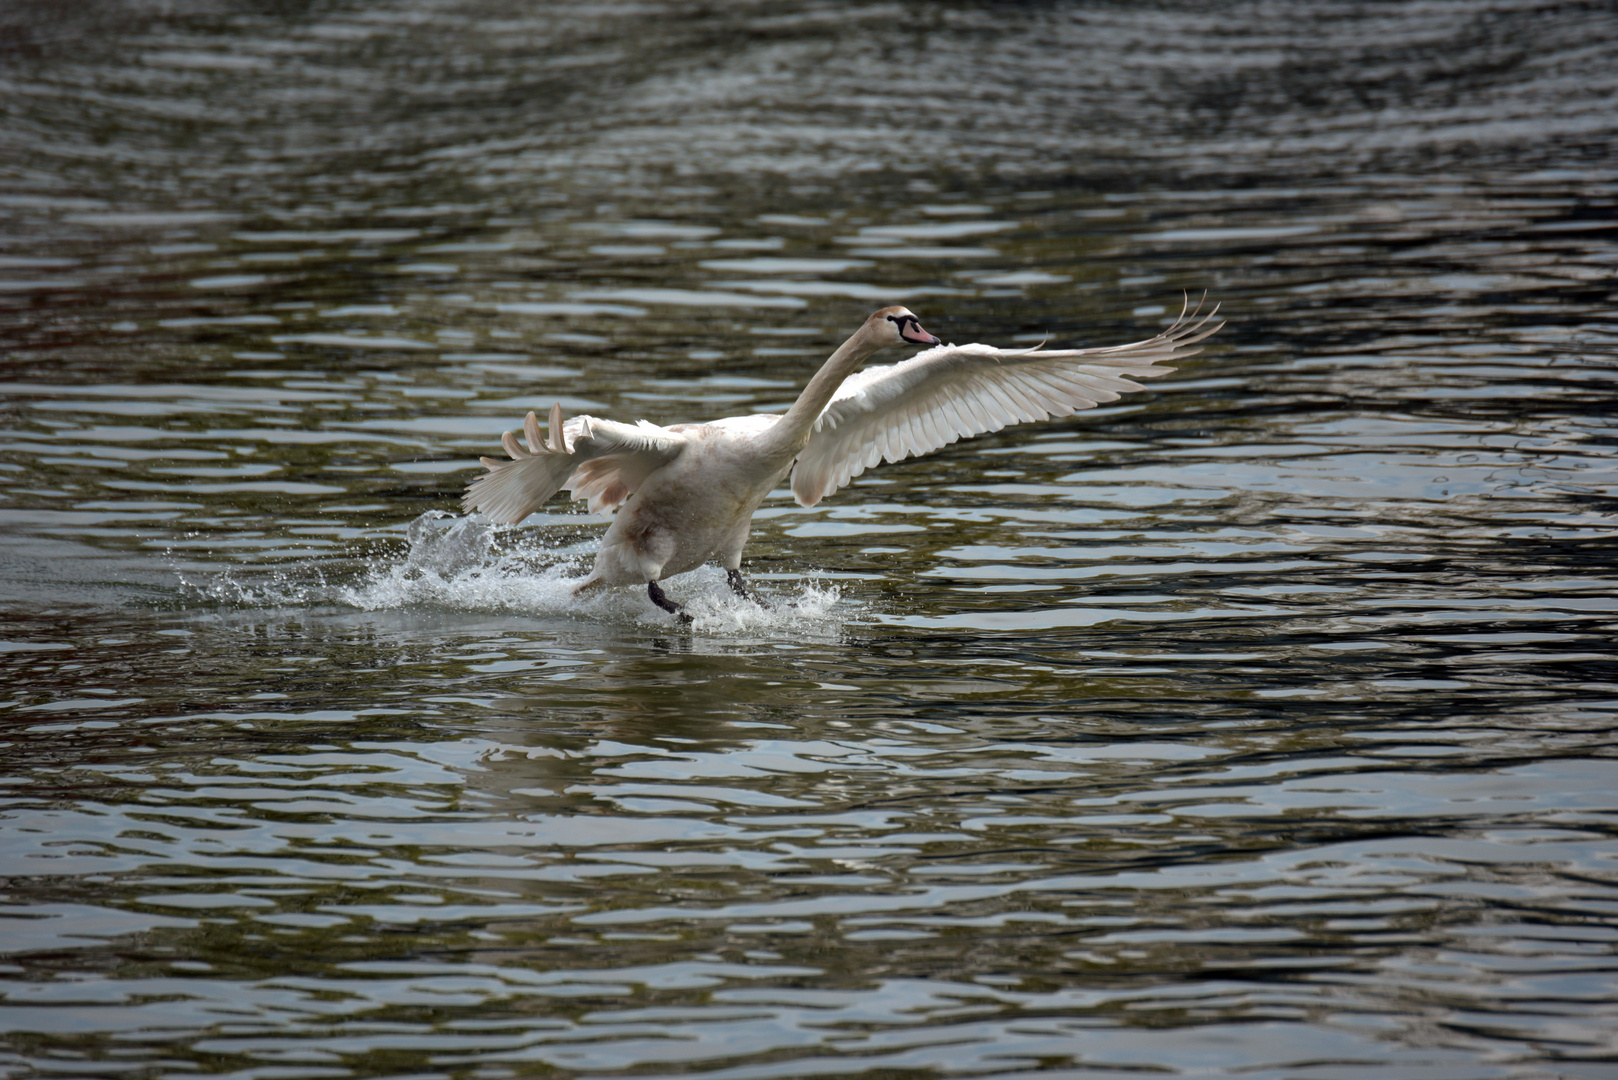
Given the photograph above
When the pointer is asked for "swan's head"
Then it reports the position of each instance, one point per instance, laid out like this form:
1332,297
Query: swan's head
897,326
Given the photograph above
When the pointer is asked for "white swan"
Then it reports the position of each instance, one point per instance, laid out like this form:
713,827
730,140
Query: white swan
685,495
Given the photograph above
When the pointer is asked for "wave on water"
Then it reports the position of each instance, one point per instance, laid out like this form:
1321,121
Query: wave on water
469,564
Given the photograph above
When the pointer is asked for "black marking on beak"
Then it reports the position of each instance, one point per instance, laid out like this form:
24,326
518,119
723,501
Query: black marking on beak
910,329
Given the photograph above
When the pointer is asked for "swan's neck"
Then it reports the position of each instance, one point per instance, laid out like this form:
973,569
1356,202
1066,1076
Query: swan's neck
792,433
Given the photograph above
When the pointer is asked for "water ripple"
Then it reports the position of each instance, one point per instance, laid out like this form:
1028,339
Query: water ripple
1259,724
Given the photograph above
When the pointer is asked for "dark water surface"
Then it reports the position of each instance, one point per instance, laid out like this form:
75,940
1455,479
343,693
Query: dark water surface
1261,724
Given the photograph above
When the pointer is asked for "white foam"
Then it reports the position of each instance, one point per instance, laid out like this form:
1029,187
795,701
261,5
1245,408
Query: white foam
468,564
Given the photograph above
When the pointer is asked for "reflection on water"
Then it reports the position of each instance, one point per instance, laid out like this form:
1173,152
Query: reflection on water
1257,724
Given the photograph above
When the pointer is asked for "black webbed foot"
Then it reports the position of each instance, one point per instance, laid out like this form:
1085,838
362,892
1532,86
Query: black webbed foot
661,599
739,587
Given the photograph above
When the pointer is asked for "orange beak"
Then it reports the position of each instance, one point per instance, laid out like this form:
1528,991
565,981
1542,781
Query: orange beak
912,332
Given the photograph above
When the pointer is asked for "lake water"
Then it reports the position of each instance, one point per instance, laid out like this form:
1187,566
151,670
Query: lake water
1260,724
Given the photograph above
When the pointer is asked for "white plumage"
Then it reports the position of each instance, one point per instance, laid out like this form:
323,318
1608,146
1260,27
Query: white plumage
685,495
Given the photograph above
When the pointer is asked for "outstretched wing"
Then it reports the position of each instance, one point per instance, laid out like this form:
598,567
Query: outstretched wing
598,460
950,392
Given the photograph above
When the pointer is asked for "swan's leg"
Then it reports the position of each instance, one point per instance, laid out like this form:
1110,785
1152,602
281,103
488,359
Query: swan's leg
659,598
739,587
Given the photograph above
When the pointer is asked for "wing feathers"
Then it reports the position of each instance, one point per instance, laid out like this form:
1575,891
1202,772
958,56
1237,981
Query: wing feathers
880,414
596,460
953,392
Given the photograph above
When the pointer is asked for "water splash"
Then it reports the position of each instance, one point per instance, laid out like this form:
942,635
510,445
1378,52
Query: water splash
445,545
300,584
469,564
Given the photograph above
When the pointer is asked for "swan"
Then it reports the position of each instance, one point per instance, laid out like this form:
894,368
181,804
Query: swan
685,495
